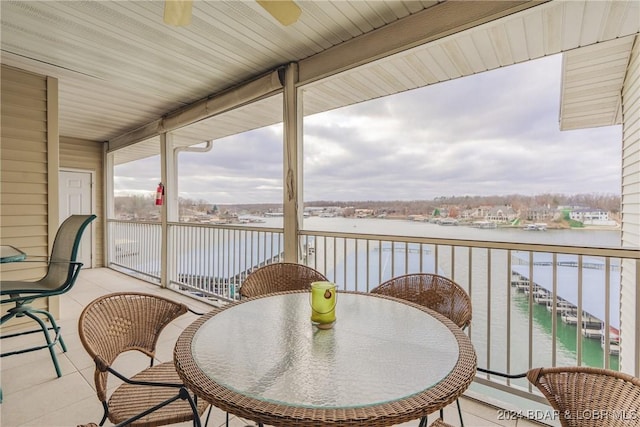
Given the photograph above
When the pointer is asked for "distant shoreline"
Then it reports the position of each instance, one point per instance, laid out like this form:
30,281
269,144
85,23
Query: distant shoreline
554,225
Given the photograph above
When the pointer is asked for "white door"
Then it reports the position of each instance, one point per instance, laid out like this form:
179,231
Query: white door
76,198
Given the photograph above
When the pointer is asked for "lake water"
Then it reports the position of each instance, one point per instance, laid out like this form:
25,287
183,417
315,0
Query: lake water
568,237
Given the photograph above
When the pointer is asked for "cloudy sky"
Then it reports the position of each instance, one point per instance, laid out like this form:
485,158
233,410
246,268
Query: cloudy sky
495,133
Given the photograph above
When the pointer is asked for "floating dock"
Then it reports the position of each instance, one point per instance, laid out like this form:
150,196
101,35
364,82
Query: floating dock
593,274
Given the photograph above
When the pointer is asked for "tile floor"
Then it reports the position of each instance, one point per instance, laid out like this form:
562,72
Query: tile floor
34,396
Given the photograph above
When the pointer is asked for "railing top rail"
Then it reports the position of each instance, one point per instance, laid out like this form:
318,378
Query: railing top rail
132,221
627,253
200,225
243,227
485,244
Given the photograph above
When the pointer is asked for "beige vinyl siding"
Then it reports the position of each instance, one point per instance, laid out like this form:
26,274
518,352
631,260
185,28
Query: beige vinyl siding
24,221
86,155
25,167
630,286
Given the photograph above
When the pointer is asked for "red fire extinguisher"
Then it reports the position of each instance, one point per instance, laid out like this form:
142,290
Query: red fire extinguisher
159,194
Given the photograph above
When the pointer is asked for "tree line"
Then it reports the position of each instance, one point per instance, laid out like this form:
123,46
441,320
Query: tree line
136,204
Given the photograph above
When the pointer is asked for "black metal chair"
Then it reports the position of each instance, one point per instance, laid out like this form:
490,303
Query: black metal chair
62,272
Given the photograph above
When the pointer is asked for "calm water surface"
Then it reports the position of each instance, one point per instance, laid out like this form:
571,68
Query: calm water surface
571,237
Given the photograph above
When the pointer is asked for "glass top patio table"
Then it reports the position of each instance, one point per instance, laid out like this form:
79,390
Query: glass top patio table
10,254
385,361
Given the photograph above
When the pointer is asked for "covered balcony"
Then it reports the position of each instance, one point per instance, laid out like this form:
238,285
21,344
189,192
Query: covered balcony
71,399
91,87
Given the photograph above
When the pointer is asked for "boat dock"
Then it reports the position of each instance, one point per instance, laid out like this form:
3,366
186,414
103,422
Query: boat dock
566,268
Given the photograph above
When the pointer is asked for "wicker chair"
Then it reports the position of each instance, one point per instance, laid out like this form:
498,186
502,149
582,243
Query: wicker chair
437,293
432,291
280,276
589,397
62,272
119,322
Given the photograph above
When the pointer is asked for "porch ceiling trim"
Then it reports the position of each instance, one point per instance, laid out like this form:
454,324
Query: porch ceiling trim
210,106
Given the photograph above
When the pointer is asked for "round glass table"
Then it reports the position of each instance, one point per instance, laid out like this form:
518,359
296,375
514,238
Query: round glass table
384,362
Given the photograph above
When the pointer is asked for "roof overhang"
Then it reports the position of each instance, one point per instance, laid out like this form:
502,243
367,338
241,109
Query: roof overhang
592,81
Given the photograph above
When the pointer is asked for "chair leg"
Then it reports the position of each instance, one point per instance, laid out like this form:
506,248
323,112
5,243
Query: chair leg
45,331
460,412
21,310
105,408
54,327
206,422
184,394
424,422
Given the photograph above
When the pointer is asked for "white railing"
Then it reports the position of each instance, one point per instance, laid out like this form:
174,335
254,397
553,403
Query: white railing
135,248
528,299
209,261
212,260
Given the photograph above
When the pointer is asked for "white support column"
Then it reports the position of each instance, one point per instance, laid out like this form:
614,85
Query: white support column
292,197
166,154
109,205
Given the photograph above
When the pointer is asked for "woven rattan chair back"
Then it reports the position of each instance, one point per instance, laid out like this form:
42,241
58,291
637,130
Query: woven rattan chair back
432,291
590,397
119,322
277,277
437,293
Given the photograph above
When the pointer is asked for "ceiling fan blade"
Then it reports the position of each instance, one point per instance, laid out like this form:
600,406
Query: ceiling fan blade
177,12
285,11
